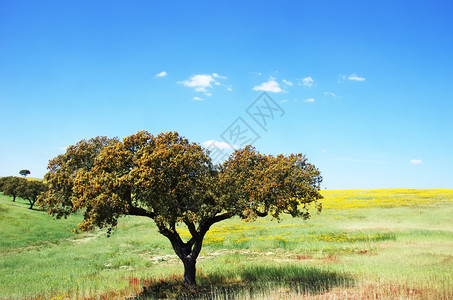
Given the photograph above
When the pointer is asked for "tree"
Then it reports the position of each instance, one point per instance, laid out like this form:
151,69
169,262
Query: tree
31,190
24,172
2,182
63,170
173,182
10,186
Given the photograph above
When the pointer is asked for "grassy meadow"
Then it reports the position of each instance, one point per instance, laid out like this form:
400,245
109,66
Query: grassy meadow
365,244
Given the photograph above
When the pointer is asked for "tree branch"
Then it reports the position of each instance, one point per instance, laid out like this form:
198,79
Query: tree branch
265,212
204,226
174,238
176,235
198,235
193,231
138,211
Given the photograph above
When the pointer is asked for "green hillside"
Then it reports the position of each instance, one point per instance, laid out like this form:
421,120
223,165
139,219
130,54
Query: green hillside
390,243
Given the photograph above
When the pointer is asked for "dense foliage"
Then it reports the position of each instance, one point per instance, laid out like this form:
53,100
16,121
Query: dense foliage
31,190
173,181
10,186
19,187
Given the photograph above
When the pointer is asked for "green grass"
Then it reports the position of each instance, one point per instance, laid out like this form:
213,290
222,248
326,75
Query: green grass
22,227
396,251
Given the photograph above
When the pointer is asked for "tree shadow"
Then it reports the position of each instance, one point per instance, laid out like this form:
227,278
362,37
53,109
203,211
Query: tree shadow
250,282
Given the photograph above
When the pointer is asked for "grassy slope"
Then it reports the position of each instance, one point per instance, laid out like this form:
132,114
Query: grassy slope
396,238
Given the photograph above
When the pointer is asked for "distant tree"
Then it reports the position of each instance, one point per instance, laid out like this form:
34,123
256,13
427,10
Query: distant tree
30,190
172,181
2,182
10,186
24,172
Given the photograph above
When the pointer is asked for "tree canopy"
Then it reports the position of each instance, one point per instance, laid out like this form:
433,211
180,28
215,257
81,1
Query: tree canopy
24,172
173,181
31,190
20,187
10,186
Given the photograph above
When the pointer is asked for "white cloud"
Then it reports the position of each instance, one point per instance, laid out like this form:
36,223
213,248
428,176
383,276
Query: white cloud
229,89
269,86
162,74
219,145
307,81
201,82
288,83
330,94
197,98
355,77
284,101
311,100
416,161
215,75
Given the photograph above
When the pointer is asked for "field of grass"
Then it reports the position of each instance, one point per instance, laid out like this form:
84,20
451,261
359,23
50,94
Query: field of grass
366,244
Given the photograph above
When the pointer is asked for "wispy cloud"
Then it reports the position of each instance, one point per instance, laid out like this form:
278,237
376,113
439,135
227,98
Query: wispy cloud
330,94
269,86
288,83
416,161
307,81
284,101
311,100
197,98
355,77
215,75
219,145
202,82
161,74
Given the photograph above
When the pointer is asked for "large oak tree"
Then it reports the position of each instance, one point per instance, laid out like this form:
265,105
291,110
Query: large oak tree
172,181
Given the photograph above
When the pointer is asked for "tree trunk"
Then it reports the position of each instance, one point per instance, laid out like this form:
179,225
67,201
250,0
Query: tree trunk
189,270
32,201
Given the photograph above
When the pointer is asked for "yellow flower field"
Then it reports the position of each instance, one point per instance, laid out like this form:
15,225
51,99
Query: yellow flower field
346,199
240,232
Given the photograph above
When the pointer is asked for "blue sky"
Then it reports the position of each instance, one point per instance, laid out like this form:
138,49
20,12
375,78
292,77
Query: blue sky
363,88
